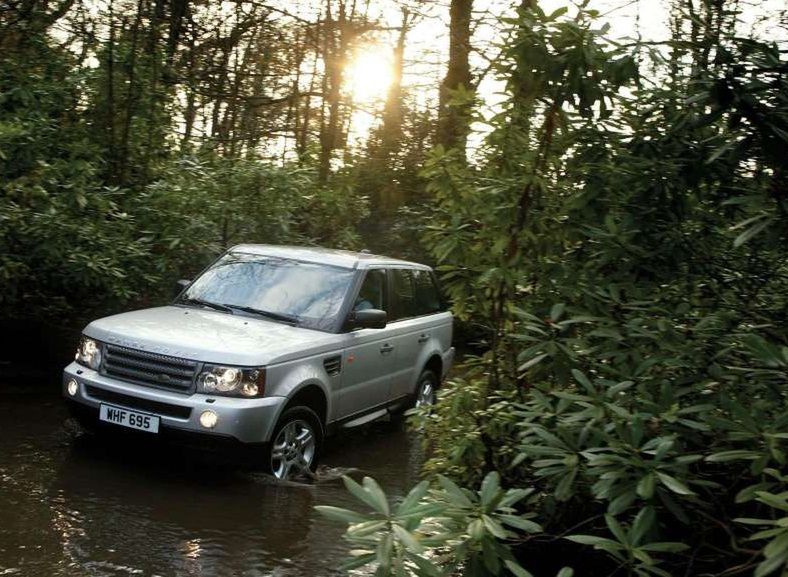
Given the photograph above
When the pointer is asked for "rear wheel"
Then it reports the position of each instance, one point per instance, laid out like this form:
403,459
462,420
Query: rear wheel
426,390
294,449
426,394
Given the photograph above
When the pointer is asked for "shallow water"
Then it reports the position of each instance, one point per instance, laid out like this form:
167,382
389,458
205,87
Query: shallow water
75,505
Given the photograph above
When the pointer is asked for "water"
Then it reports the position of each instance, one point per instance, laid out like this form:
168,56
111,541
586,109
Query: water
76,505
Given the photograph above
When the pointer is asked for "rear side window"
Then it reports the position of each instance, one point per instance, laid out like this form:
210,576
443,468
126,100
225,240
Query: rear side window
428,299
403,301
414,294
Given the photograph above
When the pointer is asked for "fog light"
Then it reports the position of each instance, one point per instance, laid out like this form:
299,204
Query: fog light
208,419
72,387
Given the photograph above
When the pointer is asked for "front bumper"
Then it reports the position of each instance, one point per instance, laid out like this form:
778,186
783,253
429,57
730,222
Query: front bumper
247,420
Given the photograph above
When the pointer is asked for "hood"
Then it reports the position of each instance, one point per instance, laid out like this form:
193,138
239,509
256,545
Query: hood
209,336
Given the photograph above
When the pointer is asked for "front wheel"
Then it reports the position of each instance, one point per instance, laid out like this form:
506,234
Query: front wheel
295,444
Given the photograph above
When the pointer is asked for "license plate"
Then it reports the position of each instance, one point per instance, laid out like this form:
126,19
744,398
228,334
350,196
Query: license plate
131,419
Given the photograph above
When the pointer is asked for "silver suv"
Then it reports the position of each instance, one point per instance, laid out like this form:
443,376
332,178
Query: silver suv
270,345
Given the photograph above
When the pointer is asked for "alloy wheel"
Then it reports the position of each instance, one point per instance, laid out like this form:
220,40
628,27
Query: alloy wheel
293,450
426,394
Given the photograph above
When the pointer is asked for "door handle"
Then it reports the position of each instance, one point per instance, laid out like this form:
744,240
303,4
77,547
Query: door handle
385,349
423,338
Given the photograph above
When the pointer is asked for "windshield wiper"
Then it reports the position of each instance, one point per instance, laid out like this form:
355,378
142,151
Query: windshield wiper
209,304
270,314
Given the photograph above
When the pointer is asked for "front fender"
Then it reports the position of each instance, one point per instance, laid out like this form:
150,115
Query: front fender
289,379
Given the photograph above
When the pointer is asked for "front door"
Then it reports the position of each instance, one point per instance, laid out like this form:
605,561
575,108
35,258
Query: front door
368,358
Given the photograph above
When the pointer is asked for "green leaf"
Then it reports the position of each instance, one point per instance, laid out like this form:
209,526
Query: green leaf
490,556
377,494
594,540
366,528
582,379
384,551
521,523
666,547
514,496
407,539
752,232
533,362
476,529
750,521
558,13
494,527
454,493
425,567
736,455
645,487
616,528
674,484
363,495
339,514
777,546
413,497
771,565
516,569
358,561
644,521
557,312
772,500
490,488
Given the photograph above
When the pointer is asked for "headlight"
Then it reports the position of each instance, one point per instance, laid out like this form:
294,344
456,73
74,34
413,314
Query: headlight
231,381
88,353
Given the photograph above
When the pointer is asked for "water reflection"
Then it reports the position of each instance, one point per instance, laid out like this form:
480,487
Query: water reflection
87,506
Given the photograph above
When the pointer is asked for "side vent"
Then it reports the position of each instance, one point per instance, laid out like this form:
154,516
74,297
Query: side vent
333,365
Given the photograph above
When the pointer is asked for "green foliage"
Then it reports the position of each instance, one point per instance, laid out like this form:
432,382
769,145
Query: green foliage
74,242
203,204
629,546
444,530
625,251
64,238
776,552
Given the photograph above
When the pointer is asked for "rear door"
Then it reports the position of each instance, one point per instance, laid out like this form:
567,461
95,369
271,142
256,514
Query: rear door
415,323
368,358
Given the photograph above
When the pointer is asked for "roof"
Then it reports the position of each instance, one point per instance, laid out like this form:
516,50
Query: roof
330,256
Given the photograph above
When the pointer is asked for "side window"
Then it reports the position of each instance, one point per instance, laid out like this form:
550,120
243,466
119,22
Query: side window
373,291
403,298
426,293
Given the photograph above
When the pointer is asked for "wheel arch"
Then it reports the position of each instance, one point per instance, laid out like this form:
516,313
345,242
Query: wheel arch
310,395
435,364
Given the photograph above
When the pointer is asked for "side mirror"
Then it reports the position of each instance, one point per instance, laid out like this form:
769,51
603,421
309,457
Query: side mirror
368,319
180,285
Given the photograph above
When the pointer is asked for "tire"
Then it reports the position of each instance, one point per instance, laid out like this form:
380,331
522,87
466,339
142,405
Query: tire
426,376
426,392
295,444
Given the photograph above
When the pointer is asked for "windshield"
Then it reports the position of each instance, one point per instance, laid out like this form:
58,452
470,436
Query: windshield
304,293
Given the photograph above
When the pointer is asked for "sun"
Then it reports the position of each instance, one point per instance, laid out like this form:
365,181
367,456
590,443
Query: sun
369,73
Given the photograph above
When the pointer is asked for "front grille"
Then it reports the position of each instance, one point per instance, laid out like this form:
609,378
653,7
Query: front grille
151,369
145,405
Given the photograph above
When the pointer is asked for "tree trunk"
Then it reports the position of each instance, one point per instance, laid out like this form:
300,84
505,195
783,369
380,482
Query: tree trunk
454,119
392,113
334,48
